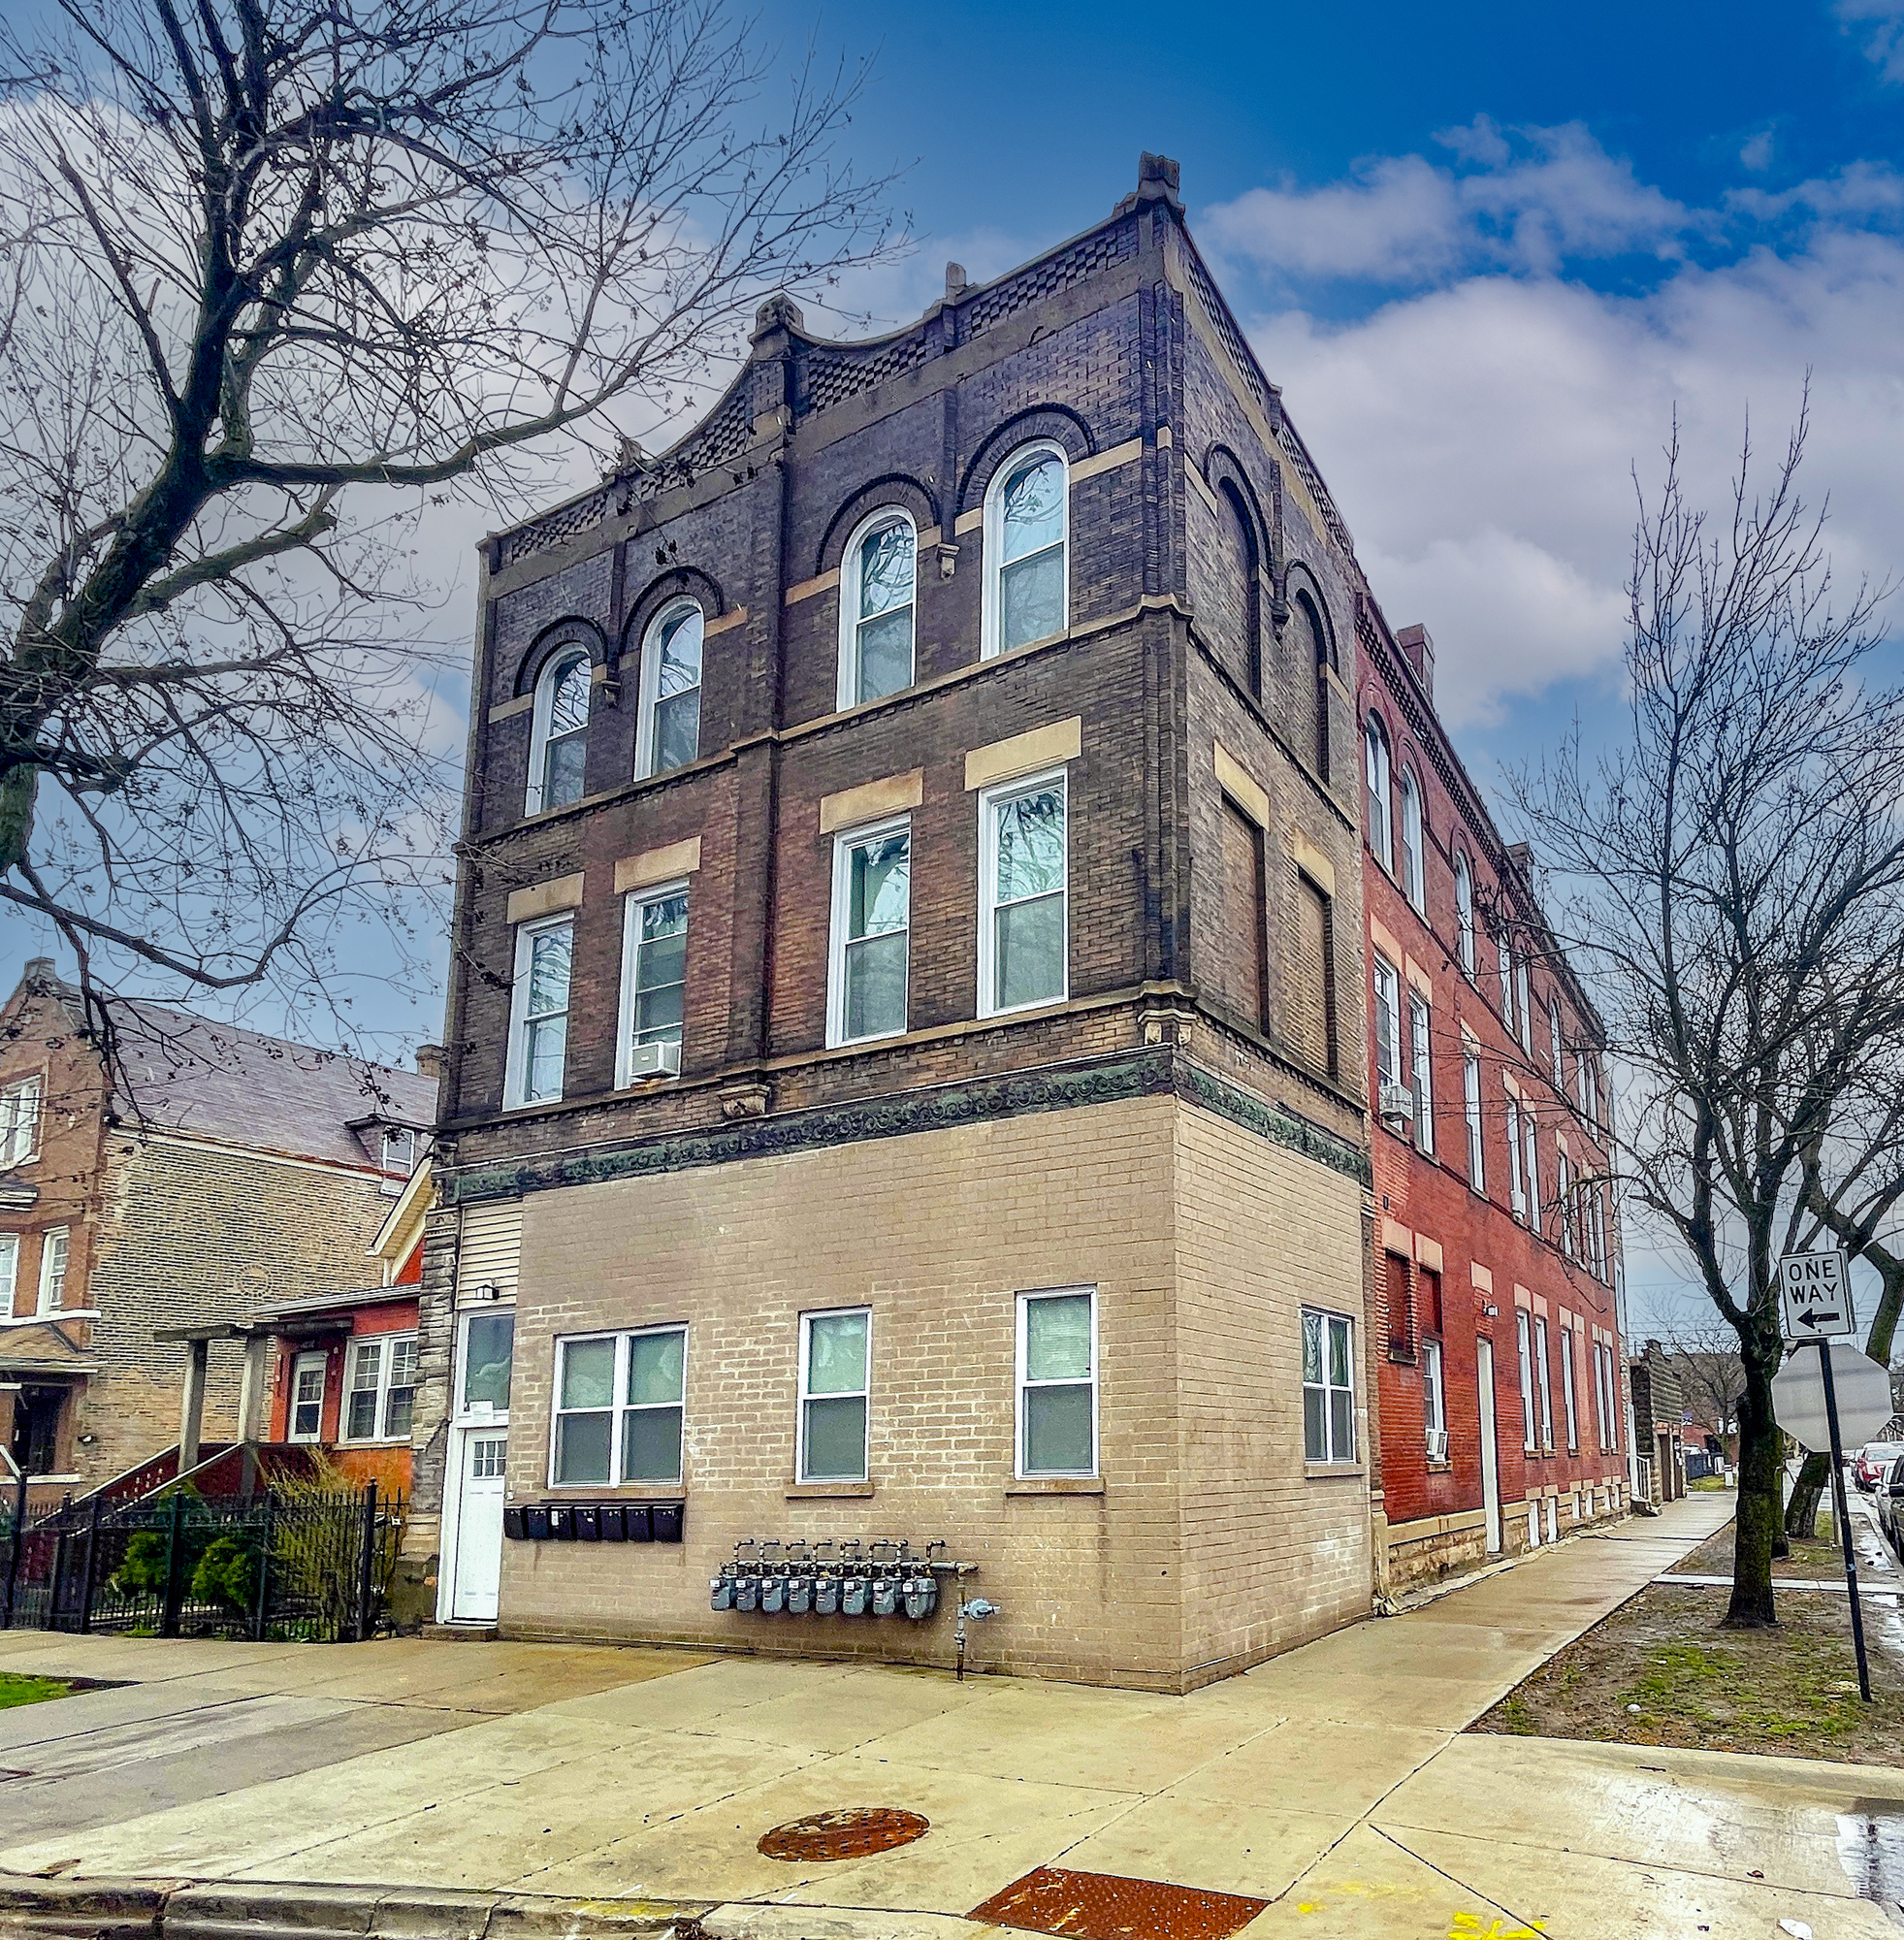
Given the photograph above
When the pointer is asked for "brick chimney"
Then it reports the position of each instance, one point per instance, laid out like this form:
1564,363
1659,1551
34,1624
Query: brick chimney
1418,650
430,1061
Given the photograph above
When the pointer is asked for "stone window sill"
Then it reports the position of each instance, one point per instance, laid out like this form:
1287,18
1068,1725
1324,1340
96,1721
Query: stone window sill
1323,1471
1441,1468
827,1492
1055,1485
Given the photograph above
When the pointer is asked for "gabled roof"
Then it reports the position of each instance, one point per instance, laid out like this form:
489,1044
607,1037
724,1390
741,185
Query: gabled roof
186,1074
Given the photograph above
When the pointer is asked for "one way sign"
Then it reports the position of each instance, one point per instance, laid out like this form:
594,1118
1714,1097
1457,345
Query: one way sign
1815,1296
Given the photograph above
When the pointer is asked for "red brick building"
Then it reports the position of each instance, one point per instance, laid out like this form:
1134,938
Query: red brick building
1496,1245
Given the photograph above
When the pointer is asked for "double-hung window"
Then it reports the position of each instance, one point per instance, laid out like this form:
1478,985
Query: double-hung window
1381,793
1422,1071
1414,884
306,1415
1566,1389
1522,1006
878,600
1328,1387
654,982
1388,1030
1434,1400
871,933
667,733
1516,1182
559,737
1058,1383
835,1384
1531,1152
1470,1085
19,1122
1023,895
620,1402
1543,1385
380,1398
1464,914
8,1271
52,1268
1524,1335
1027,518
1563,1193
1559,1056
539,1038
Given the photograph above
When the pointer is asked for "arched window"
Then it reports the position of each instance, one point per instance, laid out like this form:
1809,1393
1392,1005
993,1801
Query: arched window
1381,804
1027,529
1464,913
1251,589
559,737
1415,882
879,584
1324,656
669,735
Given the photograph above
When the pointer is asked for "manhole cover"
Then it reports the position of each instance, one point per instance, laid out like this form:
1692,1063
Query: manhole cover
849,1834
1101,1906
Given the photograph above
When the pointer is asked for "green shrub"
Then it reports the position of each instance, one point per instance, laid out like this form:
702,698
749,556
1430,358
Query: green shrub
227,1574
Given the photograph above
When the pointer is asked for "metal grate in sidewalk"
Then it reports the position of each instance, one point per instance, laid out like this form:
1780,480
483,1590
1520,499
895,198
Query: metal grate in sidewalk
1102,1906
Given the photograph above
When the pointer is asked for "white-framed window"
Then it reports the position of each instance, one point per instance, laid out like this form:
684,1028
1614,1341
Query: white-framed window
1602,1258
1434,1400
1027,593
1380,771
1414,879
1023,895
19,1122
1554,1032
1531,1166
620,1402
1470,1085
1388,1022
1328,1386
539,1005
8,1271
1522,1006
1567,1408
1057,1383
304,1417
835,1388
558,733
1563,1193
1421,1070
1516,1177
397,1149
485,1361
668,730
871,933
654,982
879,594
1524,1335
1543,1385
379,1397
53,1242
1464,914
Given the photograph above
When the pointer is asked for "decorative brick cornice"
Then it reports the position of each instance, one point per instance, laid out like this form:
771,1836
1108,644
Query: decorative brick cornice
1113,1080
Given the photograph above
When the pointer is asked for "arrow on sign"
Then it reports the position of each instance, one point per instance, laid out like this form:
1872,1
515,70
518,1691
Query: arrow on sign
1813,1315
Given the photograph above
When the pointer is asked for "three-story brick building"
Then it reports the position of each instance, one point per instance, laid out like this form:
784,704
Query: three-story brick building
905,1070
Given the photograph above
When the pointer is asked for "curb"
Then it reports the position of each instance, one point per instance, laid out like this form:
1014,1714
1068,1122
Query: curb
123,1909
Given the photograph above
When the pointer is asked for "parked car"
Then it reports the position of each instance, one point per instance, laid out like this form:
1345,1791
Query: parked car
1872,1460
1891,1503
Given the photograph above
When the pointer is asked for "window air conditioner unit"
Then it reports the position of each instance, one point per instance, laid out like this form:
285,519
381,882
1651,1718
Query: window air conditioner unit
661,1059
1438,1444
1398,1102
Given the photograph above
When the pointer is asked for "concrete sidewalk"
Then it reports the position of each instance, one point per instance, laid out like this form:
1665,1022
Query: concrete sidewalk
1331,1782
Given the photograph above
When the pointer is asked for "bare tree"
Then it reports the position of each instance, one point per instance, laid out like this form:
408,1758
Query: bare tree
1705,1356
276,277
1732,882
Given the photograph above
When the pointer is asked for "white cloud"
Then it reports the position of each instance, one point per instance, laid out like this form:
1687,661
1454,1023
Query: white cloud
1880,26
1552,195
1756,154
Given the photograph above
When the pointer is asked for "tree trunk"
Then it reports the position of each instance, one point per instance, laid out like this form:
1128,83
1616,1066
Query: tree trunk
1807,1492
1759,1513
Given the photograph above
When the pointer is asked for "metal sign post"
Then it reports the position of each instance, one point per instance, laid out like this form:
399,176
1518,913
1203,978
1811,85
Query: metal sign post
1843,1512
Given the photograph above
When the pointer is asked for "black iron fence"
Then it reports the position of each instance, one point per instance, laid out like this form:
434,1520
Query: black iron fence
302,1567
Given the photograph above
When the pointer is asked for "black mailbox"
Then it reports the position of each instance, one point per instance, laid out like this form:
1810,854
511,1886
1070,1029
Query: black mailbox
512,1523
588,1523
640,1527
562,1522
535,1522
666,1518
614,1523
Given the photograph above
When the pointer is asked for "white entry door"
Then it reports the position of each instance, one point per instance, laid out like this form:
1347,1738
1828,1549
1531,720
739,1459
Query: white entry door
480,1525
1490,1461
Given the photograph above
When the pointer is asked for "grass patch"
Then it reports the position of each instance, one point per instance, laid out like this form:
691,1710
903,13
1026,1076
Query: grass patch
15,1689
1707,1482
